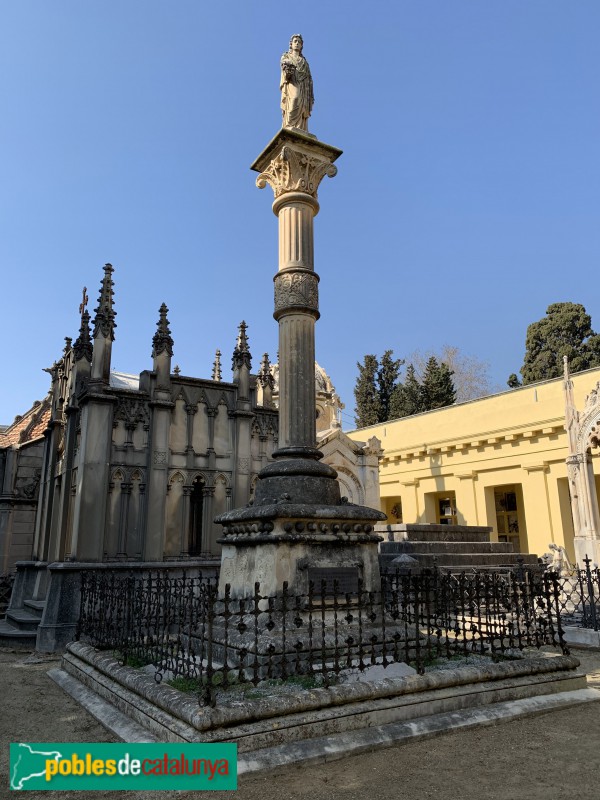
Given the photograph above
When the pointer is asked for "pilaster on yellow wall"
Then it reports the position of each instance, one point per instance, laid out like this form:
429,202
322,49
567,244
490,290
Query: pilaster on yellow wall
412,510
466,499
540,528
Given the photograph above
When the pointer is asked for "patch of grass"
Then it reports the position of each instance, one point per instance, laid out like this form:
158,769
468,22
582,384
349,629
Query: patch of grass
246,689
186,685
132,659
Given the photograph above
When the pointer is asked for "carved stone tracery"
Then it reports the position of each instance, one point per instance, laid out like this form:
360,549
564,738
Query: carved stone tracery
132,411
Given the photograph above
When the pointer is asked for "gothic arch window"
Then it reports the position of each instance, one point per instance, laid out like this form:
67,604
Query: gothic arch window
196,508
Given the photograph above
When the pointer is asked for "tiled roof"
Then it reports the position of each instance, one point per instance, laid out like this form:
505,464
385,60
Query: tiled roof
30,426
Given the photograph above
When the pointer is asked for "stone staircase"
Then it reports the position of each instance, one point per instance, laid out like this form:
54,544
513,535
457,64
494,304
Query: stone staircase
18,630
456,548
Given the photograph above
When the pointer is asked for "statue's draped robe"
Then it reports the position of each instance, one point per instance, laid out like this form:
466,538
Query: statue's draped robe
296,92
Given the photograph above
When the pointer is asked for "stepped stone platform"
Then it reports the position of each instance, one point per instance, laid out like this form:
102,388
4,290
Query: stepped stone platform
456,548
324,723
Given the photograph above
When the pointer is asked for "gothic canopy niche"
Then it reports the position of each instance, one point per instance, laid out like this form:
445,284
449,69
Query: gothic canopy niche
589,422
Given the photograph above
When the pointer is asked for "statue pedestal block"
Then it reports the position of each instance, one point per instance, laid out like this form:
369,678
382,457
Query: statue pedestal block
298,543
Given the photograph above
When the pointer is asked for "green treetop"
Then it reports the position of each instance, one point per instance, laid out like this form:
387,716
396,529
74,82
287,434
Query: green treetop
368,404
566,330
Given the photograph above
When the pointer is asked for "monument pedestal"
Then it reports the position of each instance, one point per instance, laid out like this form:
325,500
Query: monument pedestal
299,529
298,544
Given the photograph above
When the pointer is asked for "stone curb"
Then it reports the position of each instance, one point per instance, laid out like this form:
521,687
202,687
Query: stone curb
205,719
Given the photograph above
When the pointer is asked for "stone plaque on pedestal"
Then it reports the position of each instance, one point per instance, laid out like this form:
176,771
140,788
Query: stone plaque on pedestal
334,580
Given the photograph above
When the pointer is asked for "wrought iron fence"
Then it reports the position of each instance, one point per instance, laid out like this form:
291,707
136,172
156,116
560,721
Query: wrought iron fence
579,596
184,628
6,584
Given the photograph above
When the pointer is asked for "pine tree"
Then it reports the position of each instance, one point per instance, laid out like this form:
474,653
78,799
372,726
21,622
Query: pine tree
387,379
407,397
368,403
437,387
566,330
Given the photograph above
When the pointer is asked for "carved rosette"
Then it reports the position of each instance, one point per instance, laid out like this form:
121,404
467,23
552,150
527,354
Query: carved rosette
296,291
294,171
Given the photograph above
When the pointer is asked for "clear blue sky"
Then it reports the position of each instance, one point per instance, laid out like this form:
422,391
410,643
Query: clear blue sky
467,198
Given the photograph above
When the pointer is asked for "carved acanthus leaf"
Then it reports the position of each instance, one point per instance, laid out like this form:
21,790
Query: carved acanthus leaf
294,171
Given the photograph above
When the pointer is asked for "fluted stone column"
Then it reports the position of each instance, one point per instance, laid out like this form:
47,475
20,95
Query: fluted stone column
294,164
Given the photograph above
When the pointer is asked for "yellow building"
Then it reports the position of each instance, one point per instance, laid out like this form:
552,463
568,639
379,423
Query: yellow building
499,461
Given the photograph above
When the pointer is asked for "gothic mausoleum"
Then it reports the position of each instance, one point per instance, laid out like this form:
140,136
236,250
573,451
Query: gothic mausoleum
112,468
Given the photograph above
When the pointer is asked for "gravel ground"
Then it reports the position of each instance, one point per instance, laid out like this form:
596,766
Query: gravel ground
548,757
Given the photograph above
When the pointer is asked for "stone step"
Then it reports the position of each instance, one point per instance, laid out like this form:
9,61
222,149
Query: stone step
433,533
15,637
469,561
24,620
445,547
35,607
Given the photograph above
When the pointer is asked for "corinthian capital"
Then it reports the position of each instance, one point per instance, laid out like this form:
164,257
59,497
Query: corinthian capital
294,171
295,161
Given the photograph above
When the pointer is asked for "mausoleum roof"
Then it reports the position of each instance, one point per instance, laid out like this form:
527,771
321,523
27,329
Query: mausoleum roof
31,425
123,380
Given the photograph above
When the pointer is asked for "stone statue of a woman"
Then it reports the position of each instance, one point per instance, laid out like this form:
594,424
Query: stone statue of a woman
296,86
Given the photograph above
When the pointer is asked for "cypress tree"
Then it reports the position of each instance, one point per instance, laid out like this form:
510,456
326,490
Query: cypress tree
387,378
437,388
407,397
368,403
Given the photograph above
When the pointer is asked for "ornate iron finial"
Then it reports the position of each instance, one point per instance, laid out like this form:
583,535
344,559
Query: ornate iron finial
241,352
162,339
216,373
83,344
177,370
104,321
84,300
265,376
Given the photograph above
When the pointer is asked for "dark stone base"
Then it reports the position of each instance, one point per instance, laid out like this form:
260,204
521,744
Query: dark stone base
297,522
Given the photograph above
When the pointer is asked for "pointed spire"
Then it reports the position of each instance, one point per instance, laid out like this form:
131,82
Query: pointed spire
241,352
83,344
265,376
216,373
162,339
104,321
